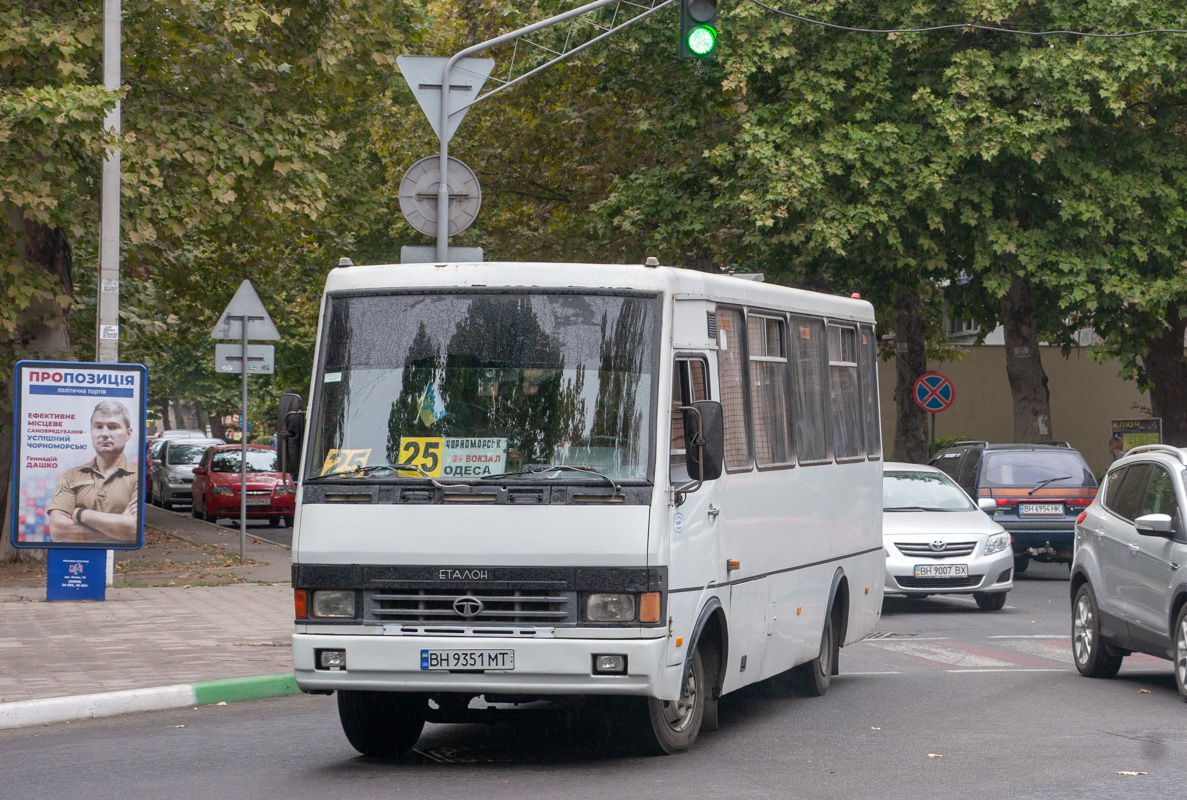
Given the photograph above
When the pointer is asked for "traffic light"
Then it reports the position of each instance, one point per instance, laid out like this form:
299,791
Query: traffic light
698,29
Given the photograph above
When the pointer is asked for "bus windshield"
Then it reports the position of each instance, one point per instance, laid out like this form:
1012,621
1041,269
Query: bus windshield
473,385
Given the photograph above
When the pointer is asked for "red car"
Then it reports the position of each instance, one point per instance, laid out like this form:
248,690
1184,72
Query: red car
271,494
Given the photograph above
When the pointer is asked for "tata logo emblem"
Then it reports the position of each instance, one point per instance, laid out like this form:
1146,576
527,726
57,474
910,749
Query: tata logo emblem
463,575
938,545
468,607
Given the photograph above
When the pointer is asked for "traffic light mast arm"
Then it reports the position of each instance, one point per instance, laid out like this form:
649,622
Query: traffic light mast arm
446,111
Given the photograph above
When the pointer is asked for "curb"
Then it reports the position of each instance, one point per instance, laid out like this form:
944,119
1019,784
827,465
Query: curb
111,704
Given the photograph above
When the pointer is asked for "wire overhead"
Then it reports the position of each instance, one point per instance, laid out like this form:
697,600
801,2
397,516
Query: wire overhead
968,26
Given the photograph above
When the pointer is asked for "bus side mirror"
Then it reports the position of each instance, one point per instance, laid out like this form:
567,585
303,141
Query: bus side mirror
290,430
704,434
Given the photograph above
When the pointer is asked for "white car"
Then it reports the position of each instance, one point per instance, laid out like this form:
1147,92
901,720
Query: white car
939,542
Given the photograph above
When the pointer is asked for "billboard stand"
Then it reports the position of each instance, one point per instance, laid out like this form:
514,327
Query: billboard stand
76,575
77,465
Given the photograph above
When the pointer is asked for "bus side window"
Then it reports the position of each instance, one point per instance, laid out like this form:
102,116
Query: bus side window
768,390
811,420
690,382
842,368
731,373
867,367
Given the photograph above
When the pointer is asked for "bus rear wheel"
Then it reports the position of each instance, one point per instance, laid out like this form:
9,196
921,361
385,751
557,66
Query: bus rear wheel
671,726
813,678
381,723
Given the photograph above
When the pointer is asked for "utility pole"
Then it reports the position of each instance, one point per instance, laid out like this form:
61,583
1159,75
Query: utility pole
107,305
107,321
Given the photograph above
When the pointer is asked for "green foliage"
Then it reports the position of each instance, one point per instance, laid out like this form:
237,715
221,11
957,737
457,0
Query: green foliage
263,141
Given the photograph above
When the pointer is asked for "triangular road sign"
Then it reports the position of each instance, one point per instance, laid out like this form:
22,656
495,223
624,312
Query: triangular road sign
423,74
245,303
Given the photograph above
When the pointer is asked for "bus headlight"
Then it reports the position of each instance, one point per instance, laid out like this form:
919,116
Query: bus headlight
335,604
610,608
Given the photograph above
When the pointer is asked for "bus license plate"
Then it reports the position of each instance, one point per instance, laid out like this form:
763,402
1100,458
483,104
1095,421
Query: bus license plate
1042,508
941,570
467,659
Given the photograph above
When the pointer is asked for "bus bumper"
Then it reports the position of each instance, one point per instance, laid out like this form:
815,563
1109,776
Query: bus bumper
542,666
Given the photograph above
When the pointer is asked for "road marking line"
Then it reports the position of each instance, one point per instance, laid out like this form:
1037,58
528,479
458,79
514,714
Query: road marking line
943,655
1051,652
1032,636
851,674
1010,669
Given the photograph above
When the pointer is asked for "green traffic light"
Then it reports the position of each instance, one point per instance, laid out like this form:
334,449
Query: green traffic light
702,39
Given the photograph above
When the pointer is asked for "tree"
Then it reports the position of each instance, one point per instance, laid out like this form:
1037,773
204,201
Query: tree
242,124
929,159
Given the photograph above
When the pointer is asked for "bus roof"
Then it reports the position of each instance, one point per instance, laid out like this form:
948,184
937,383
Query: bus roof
678,283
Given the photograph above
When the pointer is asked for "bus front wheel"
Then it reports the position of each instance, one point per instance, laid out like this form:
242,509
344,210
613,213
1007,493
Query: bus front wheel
671,726
381,723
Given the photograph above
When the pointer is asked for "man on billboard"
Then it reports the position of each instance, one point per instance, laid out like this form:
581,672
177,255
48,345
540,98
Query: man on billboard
97,501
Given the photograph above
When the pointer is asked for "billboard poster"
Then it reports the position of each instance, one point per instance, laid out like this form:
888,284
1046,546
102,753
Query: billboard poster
78,455
1136,432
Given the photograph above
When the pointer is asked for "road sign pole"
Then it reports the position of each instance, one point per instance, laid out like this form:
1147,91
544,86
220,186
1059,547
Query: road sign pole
243,453
933,393
443,132
245,308
443,165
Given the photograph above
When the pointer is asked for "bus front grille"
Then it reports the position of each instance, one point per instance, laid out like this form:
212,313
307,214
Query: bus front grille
484,607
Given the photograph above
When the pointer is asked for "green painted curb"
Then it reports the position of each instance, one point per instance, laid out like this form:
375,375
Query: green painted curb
253,688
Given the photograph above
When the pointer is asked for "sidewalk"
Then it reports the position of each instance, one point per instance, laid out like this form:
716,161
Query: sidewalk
184,622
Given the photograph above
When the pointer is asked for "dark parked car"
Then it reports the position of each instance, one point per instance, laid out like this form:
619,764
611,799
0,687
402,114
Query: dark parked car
1039,490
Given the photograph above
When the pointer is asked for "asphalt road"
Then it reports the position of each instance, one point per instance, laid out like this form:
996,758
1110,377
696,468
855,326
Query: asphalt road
945,701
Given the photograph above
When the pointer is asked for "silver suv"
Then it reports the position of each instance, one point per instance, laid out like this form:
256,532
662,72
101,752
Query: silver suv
1128,593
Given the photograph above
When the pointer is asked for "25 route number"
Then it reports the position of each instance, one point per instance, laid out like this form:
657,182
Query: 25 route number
342,460
424,452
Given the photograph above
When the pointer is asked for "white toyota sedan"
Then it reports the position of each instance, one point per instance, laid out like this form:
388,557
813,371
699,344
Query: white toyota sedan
939,542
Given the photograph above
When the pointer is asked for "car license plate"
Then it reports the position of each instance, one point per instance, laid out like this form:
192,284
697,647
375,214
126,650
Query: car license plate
1049,509
941,570
467,659
259,501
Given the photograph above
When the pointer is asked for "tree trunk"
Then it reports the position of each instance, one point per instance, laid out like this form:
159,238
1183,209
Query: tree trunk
1167,371
41,335
178,422
1024,365
911,442
217,429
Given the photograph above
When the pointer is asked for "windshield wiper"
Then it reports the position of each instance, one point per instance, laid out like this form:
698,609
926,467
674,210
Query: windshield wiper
364,472
585,468
1041,484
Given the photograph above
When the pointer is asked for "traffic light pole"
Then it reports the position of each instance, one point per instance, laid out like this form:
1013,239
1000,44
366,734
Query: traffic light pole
447,112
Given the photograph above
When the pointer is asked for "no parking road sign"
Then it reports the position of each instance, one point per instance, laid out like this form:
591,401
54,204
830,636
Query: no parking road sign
933,392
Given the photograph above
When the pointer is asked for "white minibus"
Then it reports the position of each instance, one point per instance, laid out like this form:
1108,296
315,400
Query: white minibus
600,485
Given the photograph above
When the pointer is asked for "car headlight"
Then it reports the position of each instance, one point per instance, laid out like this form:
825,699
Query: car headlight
610,607
284,491
337,604
223,490
997,542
